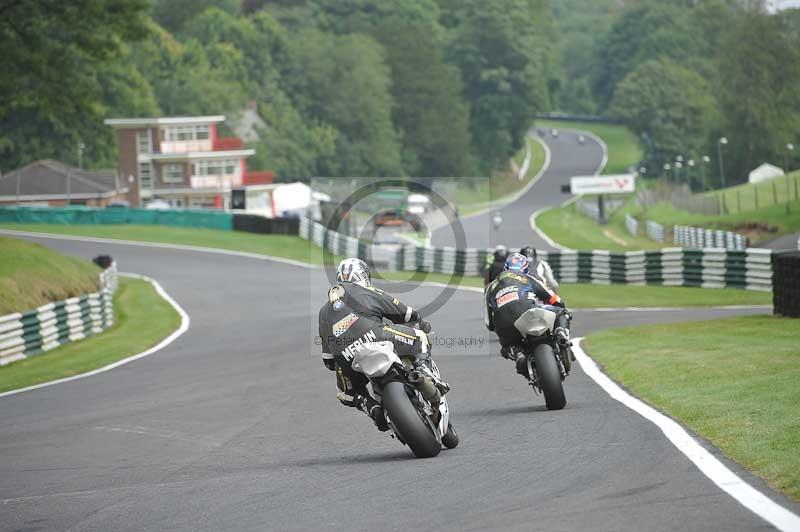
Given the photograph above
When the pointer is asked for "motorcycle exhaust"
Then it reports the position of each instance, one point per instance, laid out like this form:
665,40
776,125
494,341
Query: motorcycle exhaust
426,387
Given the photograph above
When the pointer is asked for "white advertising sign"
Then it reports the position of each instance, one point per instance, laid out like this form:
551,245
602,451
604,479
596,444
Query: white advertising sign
211,181
603,184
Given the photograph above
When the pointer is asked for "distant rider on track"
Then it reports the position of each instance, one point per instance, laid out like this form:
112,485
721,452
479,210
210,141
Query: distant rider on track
540,268
352,316
509,296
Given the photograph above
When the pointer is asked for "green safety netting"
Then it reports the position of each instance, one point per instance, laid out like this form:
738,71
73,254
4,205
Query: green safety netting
88,216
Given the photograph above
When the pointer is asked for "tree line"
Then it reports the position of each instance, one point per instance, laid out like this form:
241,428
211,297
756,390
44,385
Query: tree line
345,87
685,73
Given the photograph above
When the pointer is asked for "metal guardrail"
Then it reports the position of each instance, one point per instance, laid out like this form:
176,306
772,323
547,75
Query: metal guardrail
24,334
632,225
749,269
655,231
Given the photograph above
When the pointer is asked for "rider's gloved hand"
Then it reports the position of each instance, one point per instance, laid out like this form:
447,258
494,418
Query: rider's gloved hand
425,326
330,363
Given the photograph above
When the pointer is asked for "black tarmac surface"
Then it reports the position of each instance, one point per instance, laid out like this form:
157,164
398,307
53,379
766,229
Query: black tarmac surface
235,426
569,158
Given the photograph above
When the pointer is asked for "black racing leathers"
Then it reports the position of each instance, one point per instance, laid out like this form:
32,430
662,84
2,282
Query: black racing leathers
493,270
508,297
352,316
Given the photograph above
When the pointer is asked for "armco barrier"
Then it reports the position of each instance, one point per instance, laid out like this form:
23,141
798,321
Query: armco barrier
88,216
42,329
749,269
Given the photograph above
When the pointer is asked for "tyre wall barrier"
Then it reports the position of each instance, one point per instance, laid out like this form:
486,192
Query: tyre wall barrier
749,269
786,292
698,237
24,334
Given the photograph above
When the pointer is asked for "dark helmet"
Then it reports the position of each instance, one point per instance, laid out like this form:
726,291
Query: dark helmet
500,253
518,263
529,251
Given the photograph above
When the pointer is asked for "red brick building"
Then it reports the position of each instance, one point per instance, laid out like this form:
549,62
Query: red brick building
181,160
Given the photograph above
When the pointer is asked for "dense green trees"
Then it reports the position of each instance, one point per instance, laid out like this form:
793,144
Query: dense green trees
345,87
686,73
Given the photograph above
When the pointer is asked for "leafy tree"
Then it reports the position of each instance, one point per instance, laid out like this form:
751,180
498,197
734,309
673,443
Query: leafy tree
174,14
342,81
504,51
189,79
429,112
760,65
52,52
651,30
669,103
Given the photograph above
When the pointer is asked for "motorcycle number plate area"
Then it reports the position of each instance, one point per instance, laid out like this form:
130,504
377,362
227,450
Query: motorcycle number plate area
374,359
535,321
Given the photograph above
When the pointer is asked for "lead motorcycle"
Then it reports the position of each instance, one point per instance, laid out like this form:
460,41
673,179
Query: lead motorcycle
548,361
412,400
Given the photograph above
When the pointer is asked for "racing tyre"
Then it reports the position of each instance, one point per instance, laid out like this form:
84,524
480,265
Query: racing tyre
414,430
549,377
450,438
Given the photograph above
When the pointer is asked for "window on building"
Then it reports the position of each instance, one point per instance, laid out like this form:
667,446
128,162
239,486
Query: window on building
217,167
183,133
172,173
143,142
146,174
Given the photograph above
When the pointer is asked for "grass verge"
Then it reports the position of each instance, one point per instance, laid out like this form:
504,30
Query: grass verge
733,381
32,275
576,295
583,295
572,229
475,195
143,318
624,149
290,247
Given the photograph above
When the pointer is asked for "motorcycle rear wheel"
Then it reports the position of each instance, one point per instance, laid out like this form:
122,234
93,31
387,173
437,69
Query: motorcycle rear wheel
549,377
407,420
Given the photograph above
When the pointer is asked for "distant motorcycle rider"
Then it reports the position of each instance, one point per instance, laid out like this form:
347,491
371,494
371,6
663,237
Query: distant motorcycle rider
509,296
540,268
495,263
353,316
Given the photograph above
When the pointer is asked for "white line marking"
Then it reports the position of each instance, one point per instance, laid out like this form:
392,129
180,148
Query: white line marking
185,321
709,465
144,243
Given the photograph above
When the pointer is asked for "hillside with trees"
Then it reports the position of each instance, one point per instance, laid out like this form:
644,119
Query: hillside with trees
345,87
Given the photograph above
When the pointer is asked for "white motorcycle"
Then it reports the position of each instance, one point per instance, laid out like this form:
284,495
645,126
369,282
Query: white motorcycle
412,397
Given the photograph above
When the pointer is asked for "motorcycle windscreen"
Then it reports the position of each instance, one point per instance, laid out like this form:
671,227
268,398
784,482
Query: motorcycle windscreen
535,321
374,359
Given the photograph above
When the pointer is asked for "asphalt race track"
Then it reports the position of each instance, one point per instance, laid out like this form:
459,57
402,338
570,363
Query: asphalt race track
235,426
569,158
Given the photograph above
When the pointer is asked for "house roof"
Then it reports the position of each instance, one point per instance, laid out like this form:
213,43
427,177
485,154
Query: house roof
48,179
121,123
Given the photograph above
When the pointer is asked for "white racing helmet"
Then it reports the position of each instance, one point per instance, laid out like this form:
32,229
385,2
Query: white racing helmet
354,271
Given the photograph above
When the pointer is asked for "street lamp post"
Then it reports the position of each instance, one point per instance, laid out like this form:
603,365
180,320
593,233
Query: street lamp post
786,155
690,164
678,166
81,147
667,166
722,141
706,160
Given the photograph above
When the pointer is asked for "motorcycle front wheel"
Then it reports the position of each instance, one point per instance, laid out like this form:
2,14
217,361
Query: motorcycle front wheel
549,377
407,420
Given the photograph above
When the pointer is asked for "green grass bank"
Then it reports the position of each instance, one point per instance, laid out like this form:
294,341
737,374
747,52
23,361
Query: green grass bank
32,275
143,318
733,381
